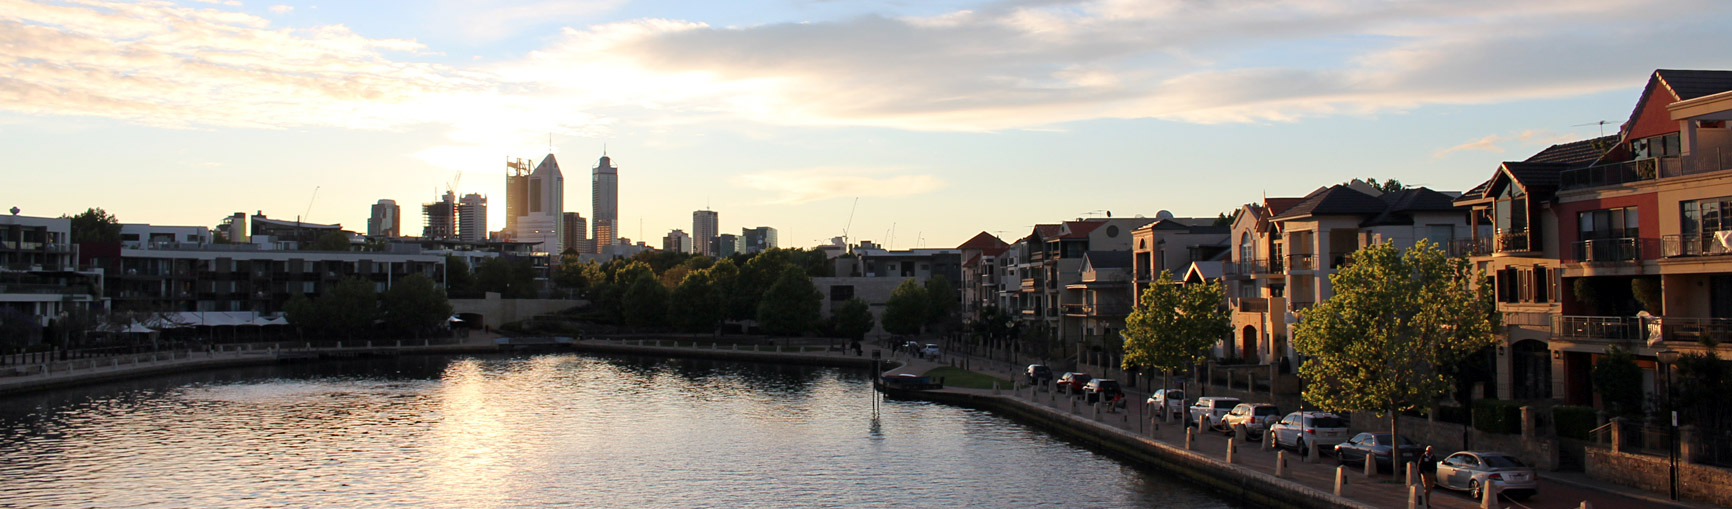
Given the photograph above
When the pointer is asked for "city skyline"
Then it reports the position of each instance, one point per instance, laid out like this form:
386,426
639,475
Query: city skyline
940,117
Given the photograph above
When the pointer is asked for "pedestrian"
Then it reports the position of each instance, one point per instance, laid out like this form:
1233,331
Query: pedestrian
1427,472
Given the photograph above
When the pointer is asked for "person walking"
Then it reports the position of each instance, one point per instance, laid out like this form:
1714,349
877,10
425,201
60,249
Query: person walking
1427,472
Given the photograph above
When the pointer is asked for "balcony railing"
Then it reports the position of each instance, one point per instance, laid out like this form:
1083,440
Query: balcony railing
1620,173
1253,305
1622,328
1513,242
1672,246
1470,247
1254,267
1608,250
1527,318
1339,260
1702,162
1304,261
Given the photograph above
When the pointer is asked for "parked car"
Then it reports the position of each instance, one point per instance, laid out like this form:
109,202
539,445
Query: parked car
1039,373
1214,407
1102,389
1474,470
930,351
1376,446
1072,382
1171,399
1300,429
1254,417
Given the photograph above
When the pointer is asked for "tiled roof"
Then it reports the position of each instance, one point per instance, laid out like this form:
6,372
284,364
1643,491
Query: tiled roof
1335,201
1403,203
1534,175
1582,152
1080,229
1279,205
1477,191
1690,84
1046,231
982,241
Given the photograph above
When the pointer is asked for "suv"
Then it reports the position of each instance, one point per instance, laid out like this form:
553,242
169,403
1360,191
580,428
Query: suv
1298,429
1172,399
1038,373
1213,407
1102,389
1254,417
1072,382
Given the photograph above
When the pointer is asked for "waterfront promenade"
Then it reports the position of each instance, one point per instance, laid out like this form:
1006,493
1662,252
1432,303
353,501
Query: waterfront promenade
1128,433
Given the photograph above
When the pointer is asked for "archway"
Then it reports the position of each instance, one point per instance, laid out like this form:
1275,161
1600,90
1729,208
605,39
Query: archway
1248,344
1530,370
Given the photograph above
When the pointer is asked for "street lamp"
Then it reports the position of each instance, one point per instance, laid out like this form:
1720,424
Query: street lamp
1667,358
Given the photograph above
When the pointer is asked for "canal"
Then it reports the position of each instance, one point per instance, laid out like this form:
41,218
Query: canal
539,430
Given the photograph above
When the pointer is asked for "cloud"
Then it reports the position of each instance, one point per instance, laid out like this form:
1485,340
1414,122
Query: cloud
491,20
1495,142
282,9
803,186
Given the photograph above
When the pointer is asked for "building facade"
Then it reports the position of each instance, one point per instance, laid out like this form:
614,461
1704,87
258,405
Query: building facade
386,220
577,234
677,241
472,218
535,204
604,198
754,240
39,273
705,226
440,217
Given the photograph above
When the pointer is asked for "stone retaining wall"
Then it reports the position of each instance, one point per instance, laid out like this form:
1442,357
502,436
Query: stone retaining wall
1697,483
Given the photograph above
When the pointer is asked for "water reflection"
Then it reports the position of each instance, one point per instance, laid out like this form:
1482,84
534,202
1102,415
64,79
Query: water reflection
541,430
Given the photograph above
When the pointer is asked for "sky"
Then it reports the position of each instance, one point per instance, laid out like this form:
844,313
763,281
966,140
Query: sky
908,123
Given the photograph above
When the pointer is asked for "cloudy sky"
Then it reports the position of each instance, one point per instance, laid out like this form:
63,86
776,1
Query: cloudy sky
941,117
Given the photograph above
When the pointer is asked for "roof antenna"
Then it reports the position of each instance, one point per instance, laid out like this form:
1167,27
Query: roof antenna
550,143
1601,123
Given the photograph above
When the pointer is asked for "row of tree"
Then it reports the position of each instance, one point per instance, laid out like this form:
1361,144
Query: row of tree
413,306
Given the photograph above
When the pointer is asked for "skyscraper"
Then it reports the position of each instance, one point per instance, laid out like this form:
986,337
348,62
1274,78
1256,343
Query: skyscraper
704,229
577,233
605,198
472,218
757,239
535,204
440,217
386,221
677,241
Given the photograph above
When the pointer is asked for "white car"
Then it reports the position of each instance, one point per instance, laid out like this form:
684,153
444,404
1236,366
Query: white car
1214,407
1300,429
1254,417
1172,399
930,352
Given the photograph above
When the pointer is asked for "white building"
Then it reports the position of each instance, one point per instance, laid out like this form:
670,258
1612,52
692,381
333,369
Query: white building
472,218
536,203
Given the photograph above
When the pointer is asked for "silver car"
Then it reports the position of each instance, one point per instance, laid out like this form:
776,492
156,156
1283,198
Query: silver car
1172,399
1474,470
1254,417
1299,429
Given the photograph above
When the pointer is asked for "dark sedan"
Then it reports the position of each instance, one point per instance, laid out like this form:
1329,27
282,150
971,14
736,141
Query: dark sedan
1376,446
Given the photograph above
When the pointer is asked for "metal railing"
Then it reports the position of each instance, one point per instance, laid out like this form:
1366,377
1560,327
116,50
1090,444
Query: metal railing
1621,249
1470,247
1527,318
1620,173
1672,246
1254,267
1716,160
1513,242
1302,261
1597,327
1625,328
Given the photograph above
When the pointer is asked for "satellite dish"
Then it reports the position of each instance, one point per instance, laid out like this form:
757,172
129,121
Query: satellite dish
1163,215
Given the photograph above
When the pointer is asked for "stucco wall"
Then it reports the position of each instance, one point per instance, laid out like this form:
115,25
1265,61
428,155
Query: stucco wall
496,311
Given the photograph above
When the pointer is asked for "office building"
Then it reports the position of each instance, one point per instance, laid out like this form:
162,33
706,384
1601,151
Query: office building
604,197
677,241
535,203
440,217
754,240
704,230
386,221
472,218
577,233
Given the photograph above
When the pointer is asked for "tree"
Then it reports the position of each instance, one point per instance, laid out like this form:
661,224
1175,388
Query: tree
331,241
1174,325
459,280
695,305
17,328
1384,342
95,225
645,301
511,278
907,308
736,302
350,305
1226,218
790,306
1618,380
303,314
1388,186
415,304
575,274
941,299
853,319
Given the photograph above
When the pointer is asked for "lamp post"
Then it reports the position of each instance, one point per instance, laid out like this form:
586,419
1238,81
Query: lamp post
1667,358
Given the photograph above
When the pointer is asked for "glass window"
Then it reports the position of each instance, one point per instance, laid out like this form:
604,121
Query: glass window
1692,218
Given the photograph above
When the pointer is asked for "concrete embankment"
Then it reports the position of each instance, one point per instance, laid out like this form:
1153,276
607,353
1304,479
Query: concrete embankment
1232,481
825,359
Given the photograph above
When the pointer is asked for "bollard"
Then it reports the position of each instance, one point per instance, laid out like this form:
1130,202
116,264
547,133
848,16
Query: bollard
339,345
1311,453
1370,465
1281,464
1412,497
1202,422
116,363
995,387
1231,447
1097,407
1489,500
1190,434
1340,480
1241,433
369,343
399,343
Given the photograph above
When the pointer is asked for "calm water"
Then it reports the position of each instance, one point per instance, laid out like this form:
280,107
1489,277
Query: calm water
545,430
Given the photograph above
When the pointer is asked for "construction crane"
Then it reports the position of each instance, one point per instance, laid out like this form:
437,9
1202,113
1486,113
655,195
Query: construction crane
850,224
308,215
451,187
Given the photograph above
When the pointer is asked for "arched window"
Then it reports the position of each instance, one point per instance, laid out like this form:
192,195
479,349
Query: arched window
1247,248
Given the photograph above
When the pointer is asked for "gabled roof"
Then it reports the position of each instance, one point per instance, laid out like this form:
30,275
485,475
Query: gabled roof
1079,229
1338,200
1477,192
1580,153
1536,175
1403,203
1690,84
1046,231
1108,259
982,241
1279,205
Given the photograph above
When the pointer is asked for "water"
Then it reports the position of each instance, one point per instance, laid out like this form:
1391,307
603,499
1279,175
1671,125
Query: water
546,430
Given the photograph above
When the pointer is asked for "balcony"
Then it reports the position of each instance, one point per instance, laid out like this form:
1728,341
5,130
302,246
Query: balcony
1255,267
1620,173
1253,305
1718,159
1339,260
1470,247
1623,328
1029,285
1672,246
1305,261
1514,242
1619,328
1621,249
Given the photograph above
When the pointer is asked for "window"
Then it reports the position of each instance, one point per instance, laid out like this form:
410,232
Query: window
1665,145
1619,223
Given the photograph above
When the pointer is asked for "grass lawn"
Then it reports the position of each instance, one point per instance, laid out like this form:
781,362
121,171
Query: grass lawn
958,377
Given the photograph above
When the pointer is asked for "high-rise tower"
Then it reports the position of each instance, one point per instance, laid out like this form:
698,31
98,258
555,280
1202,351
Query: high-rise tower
705,227
535,204
605,198
472,218
386,221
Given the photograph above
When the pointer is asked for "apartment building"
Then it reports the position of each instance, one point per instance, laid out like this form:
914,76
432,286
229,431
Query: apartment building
39,272
1256,282
243,277
980,281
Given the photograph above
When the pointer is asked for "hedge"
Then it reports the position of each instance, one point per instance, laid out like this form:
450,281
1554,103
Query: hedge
1574,421
1498,416
1453,414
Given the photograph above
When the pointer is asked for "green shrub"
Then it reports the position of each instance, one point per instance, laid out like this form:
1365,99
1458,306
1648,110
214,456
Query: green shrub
1497,416
1453,414
1574,421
